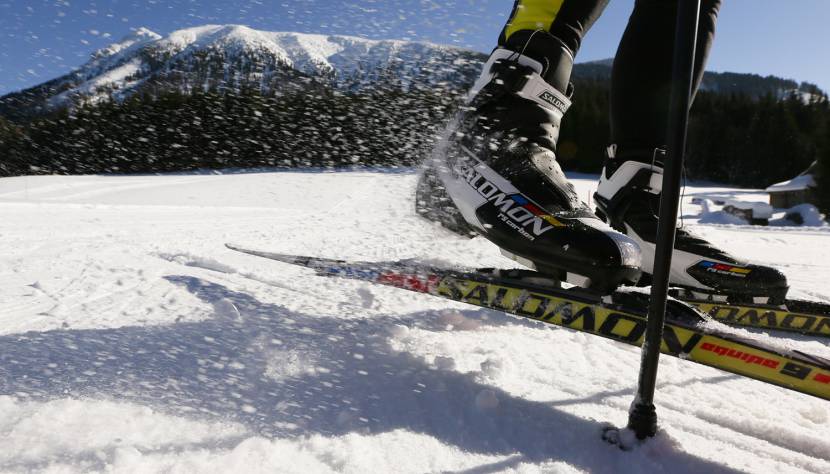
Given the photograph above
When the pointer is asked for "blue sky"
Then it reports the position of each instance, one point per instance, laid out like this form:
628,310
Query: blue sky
42,39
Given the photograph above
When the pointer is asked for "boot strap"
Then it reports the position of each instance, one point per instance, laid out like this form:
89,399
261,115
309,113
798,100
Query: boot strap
528,84
629,178
643,176
633,175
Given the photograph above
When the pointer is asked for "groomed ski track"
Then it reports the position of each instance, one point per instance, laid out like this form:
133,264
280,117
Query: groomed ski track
131,339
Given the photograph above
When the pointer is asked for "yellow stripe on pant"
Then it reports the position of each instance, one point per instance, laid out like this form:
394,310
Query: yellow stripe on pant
533,15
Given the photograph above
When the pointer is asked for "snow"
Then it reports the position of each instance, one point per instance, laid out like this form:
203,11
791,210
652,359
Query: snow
99,86
181,39
137,37
760,210
809,214
705,204
799,183
294,49
143,55
132,340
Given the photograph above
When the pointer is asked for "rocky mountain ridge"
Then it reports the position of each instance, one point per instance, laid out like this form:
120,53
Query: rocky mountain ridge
236,57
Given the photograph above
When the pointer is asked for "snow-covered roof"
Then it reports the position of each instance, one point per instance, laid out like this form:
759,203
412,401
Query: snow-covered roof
799,183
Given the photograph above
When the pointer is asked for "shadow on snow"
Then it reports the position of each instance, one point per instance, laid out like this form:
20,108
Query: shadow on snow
283,374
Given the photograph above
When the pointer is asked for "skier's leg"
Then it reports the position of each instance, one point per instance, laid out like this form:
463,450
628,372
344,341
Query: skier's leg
641,77
563,24
499,166
568,20
629,190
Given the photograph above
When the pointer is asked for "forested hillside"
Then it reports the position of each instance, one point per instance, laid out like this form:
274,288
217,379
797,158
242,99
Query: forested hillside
216,97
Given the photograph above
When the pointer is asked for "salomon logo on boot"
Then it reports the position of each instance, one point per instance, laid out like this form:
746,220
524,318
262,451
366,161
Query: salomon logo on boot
551,99
518,211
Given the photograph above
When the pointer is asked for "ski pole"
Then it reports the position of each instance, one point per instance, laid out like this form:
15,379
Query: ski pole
642,418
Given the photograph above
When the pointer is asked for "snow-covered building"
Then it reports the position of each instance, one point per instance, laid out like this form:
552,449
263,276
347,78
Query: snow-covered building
795,191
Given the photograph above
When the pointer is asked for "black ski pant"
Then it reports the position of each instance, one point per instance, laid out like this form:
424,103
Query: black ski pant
641,77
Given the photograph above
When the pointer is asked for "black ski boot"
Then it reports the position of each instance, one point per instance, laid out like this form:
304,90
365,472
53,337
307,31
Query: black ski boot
499,168
434,204
628,197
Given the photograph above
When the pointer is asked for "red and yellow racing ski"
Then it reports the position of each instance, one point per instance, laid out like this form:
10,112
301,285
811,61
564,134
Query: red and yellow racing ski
621,316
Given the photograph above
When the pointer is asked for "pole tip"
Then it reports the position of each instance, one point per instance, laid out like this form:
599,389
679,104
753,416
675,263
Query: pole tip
642,419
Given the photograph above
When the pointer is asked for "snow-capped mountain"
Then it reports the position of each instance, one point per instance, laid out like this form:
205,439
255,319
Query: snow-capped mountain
236,57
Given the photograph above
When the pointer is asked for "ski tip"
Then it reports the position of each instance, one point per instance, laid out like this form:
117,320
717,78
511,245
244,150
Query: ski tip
273,256
300,260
